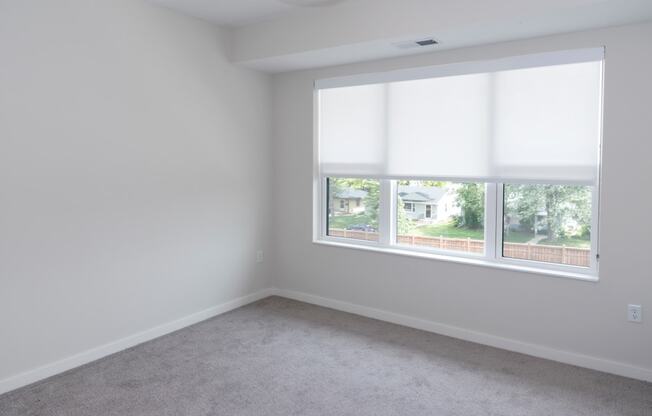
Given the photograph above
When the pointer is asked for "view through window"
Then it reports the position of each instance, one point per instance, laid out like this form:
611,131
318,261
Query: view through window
549,223
498,160
440,215
353,208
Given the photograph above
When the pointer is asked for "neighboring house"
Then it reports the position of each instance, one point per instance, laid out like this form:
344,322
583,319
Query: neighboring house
349,201
428,203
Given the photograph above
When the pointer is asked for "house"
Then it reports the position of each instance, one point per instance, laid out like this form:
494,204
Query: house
428,203
348,201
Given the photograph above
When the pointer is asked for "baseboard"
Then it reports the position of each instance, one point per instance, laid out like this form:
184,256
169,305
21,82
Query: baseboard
93,354
566,357
88,356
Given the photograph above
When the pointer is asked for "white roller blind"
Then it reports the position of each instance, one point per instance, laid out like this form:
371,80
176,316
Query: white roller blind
539,122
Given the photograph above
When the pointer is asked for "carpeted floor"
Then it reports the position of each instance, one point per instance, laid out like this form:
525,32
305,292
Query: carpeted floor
281,357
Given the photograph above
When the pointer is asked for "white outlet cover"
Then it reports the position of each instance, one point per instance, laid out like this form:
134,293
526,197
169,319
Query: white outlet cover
634,313
259,256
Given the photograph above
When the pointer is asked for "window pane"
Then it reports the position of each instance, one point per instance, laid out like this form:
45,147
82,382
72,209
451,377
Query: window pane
441,215
353,208
549,223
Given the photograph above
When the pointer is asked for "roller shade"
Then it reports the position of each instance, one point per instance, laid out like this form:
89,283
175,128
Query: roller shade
535,118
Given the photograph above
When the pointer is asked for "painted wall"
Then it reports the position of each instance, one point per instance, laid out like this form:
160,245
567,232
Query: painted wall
558,313
125,135
361,30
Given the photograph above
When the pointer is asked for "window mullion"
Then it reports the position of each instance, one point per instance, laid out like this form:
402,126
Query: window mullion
491,220
386,226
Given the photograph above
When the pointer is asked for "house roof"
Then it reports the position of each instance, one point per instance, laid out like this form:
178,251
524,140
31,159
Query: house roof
430,194
349,193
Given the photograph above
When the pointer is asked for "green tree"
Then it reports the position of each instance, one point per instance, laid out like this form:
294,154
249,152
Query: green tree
557,202
407,182
371,201
403,224
470,199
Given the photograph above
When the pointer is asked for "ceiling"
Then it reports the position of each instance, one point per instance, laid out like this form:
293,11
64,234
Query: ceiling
234,13
286,35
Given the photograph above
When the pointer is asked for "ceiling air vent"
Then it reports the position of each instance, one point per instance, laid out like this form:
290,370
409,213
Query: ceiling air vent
426,42
410,44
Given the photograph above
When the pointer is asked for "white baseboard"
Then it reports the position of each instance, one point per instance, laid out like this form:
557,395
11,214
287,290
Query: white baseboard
580,360
93,354
85,357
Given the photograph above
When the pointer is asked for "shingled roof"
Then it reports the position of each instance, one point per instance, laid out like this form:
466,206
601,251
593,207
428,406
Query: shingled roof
430,194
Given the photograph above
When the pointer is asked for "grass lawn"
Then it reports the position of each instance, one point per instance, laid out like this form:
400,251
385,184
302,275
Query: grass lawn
578,242
448,230
518,237
342,221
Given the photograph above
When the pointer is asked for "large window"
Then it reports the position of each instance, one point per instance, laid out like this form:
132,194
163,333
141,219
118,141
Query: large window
495,161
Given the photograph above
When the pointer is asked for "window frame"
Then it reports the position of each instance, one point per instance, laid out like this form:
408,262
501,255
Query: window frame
493,227
493,232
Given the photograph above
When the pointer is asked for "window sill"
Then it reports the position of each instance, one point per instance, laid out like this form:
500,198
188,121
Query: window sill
462,260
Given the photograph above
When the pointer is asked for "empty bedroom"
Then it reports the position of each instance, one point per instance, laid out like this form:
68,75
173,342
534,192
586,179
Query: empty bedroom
325,207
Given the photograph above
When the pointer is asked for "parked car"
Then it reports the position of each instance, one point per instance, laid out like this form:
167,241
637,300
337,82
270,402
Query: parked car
361,227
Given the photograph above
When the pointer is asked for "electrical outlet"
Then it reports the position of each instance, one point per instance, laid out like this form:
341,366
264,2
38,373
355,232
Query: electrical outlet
259,256
634,313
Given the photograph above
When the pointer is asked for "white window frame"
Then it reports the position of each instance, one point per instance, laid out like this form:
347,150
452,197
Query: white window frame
493,234
492,256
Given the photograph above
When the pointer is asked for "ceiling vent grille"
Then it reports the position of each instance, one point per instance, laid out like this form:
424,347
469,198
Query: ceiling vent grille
420,43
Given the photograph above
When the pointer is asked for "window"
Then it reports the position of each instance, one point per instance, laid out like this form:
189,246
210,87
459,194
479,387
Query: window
496,161
359,223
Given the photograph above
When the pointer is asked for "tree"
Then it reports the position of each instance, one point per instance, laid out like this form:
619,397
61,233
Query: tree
407,182
470,199
372,201
403,224
558,202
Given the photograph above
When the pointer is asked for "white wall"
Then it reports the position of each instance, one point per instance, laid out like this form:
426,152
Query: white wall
126,138
361,30
561,314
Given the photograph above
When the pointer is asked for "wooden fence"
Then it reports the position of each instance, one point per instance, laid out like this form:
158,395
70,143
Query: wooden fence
552,254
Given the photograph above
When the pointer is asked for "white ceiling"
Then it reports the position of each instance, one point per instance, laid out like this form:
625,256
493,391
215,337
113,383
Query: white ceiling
233,13
285,35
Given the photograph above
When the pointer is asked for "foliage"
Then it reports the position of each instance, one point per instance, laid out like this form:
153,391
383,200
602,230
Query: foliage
371,201
553,205
403,223
470,198
407,182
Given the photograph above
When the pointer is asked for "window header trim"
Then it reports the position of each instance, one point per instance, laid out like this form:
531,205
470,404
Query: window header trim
571,56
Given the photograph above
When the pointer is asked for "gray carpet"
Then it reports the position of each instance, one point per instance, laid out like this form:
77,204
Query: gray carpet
281,357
